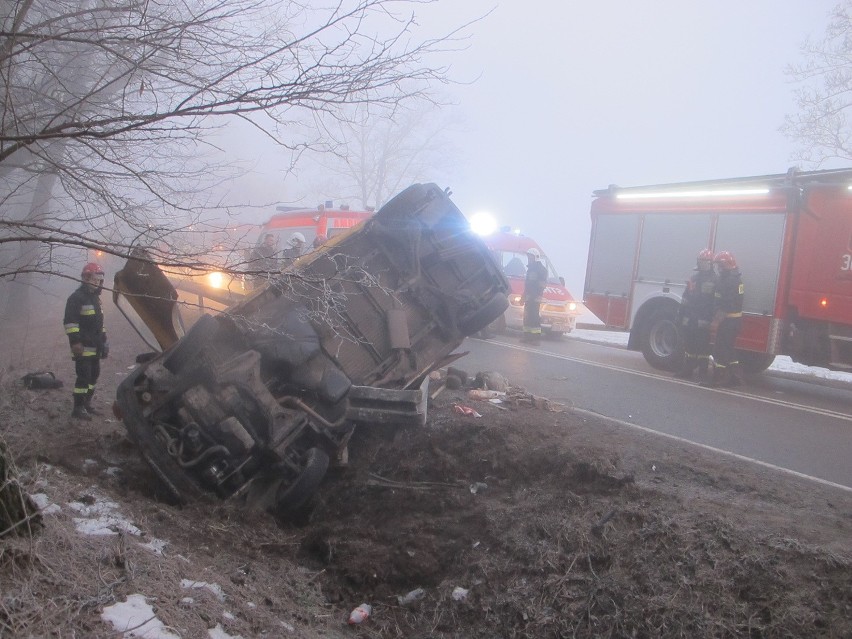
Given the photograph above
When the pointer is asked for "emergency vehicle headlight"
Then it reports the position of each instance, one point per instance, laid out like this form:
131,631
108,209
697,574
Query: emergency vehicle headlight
483,223
515,299
572,306
823,302
216,279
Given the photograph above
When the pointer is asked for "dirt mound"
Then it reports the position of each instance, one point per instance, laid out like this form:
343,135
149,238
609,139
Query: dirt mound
551,534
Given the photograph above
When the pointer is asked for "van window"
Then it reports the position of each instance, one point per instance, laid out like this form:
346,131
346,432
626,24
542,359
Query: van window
514,264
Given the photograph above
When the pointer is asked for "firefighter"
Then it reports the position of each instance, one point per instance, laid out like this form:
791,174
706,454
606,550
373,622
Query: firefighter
296,248
263,261
695,316
728,317
534,284
84,325
264,255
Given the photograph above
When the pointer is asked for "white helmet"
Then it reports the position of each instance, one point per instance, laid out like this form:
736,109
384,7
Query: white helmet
297,238
534,252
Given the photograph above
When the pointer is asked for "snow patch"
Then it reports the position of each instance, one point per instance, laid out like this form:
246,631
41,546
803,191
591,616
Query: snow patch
101,518
135,618
42,501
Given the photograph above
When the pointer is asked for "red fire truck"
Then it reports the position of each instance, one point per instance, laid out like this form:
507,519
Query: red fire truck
325,221
791,235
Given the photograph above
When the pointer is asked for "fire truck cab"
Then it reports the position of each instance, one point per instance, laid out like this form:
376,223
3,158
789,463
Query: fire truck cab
791,235
325,221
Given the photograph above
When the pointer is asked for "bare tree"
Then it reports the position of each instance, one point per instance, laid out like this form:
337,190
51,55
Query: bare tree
107,106
821,126
373,153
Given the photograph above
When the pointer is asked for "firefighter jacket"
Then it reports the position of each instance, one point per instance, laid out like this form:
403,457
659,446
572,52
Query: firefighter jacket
699,298
535,282
84,322
729,293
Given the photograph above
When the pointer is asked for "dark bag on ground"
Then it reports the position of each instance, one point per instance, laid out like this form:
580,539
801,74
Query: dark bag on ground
41,380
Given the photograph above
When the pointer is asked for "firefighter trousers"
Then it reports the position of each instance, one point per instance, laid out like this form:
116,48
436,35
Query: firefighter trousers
532,319
88,369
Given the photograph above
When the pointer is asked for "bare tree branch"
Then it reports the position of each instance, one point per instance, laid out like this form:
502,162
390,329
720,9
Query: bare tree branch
821,126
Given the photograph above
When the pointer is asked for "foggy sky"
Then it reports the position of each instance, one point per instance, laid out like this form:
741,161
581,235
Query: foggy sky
574,96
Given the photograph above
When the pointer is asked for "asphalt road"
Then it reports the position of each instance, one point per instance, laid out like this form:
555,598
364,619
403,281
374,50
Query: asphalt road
799,426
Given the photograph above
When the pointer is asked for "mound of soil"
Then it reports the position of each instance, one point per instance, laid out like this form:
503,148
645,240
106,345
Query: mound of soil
530,521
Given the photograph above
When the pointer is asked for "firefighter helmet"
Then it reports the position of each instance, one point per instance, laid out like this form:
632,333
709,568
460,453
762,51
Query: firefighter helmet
534,252
725,260
92,268
704,261
297,239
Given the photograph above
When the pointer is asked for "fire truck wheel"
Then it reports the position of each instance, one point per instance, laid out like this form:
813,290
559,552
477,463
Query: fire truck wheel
660,342
754,363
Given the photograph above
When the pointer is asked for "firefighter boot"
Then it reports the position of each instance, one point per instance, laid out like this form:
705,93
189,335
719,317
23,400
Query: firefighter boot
88,404
80,411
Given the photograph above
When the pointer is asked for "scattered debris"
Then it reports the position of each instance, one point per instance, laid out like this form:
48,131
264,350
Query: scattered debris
460,594
466,410
360,614
412,596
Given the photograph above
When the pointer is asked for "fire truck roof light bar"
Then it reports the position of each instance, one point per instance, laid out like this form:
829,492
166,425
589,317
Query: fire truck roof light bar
688,194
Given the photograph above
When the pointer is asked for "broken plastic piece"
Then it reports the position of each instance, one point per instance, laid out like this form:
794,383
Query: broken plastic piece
360,614
465,410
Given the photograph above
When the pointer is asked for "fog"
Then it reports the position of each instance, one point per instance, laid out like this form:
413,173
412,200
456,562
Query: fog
559,98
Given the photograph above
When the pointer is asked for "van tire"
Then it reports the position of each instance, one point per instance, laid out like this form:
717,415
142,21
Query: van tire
660,339
300,490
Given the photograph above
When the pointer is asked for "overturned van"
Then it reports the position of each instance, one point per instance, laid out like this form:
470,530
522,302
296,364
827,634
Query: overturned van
254,402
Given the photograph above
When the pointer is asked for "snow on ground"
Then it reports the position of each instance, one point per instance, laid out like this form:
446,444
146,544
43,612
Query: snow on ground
782,363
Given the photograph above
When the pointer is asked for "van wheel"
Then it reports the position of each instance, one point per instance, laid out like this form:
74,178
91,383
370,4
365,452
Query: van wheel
660,340
754,363
292,495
